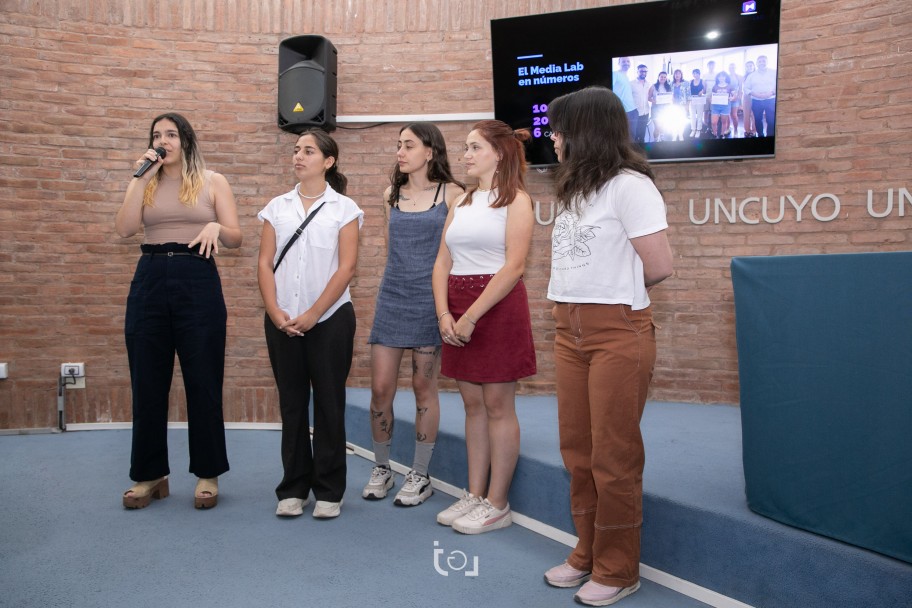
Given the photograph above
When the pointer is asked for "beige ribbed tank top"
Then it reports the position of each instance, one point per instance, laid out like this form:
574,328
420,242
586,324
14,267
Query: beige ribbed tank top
170,221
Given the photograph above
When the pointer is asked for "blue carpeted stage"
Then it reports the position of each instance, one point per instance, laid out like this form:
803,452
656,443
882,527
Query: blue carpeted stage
66,540
697,524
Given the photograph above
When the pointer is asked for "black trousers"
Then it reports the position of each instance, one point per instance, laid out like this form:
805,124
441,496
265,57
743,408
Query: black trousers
633,119
176,305
642,123
319,361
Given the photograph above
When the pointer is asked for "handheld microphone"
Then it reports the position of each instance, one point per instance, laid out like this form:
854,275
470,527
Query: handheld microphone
148,163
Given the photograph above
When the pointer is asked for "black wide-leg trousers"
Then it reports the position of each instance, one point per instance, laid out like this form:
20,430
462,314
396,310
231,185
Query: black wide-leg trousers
176,305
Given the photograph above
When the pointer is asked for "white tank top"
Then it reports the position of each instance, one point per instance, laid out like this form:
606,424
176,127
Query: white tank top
477,236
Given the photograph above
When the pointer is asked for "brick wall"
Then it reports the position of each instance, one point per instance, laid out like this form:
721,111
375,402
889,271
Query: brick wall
82,80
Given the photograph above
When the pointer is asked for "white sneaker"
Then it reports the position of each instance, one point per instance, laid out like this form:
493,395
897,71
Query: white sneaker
416,489
327,510
484,517
291,507
566,575
458,509
594,594
381,481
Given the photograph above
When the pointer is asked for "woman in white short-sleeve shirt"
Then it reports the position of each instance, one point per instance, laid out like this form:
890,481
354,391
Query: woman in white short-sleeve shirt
304,273
608,248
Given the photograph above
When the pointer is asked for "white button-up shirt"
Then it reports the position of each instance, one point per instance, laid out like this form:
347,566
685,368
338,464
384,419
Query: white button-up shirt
314,257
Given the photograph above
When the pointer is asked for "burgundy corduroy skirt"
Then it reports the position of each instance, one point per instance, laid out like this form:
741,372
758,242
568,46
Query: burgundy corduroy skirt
501,347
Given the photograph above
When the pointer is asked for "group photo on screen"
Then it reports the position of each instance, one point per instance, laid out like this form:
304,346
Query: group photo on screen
701,86
725,93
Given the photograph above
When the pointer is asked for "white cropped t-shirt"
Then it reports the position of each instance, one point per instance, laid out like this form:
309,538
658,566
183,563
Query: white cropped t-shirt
592,258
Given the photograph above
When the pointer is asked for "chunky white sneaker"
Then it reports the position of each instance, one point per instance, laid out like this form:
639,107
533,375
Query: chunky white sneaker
380,483
291,507
483,517
566,575
327,510
594,594
416,489
458,509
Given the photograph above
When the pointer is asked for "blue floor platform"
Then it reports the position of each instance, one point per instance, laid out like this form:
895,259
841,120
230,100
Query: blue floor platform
66,541
697,525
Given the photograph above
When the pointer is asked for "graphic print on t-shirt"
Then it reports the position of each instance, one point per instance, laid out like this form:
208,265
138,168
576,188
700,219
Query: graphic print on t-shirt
569,238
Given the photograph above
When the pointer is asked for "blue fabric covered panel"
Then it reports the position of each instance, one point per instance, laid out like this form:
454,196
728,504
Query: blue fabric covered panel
825,362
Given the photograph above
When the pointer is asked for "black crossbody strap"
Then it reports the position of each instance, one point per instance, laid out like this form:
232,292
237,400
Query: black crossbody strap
295,236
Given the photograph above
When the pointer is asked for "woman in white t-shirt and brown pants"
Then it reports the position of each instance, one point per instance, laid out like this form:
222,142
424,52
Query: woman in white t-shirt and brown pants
609,246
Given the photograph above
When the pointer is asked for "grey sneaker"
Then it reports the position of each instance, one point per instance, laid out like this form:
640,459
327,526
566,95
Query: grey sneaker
416,489
483,517
380,483
458,509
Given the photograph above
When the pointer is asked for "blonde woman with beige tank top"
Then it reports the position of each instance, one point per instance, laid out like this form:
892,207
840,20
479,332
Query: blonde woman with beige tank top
176,305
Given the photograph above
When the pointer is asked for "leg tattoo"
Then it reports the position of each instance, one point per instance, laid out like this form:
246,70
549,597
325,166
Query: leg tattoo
386,426
429,367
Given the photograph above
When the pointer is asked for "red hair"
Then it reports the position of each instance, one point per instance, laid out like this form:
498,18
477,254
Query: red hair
509,179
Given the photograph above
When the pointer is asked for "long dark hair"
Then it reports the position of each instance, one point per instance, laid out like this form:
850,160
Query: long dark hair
658,83
510,177
438,168
595,146
329,147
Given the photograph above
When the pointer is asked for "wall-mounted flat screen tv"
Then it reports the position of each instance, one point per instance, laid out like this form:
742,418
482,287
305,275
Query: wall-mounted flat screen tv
698,77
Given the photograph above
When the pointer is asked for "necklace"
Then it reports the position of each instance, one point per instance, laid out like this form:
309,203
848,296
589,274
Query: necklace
414,201
311,197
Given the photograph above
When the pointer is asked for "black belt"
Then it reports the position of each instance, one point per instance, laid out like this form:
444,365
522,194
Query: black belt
173,253
170,253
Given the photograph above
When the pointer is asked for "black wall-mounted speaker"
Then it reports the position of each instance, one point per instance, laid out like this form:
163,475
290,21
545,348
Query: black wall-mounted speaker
307,84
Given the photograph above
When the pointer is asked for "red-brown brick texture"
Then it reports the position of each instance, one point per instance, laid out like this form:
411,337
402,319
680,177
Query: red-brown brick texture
80,82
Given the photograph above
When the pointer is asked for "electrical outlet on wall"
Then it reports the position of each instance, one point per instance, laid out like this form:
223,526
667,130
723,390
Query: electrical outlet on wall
73,375
72,370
